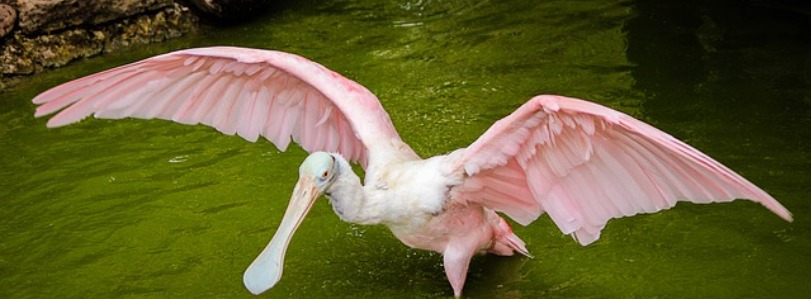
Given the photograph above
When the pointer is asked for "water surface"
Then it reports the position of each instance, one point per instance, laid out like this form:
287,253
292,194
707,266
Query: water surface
135,208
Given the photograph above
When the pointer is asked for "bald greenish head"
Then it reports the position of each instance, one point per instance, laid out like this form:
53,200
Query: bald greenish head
320,166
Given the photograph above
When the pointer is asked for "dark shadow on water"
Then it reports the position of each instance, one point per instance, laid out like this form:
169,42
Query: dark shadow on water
722,59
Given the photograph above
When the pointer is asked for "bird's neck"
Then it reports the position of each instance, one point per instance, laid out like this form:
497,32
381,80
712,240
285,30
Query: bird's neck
348,199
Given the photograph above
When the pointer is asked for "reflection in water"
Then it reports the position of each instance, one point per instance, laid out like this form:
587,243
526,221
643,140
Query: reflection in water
123,208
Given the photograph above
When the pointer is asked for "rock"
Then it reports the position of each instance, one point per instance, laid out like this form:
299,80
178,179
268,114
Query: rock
24,55
14,60
168,23
229,10
8,17
44,16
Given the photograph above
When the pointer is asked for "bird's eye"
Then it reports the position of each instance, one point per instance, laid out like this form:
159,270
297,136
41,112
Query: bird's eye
324,175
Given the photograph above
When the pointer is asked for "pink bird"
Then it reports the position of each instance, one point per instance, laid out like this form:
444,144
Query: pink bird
581,163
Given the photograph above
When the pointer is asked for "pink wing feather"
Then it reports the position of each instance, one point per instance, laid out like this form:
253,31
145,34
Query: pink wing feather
585,164
241,91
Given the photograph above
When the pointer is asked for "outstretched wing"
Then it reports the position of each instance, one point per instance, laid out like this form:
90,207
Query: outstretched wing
242,91
585,164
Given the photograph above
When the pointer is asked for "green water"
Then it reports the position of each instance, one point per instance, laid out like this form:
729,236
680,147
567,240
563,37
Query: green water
130,208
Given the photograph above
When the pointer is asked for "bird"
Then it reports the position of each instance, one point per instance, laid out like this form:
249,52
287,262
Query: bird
577,161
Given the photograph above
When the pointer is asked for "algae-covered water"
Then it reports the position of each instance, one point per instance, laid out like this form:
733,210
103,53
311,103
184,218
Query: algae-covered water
132,208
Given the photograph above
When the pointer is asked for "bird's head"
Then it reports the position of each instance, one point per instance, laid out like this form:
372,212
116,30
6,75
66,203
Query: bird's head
318,171
316,175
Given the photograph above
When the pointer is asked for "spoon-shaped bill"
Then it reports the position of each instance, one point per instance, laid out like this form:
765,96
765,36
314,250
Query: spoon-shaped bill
266,269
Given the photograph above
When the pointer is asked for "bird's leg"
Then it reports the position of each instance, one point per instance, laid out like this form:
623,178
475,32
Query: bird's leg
457,259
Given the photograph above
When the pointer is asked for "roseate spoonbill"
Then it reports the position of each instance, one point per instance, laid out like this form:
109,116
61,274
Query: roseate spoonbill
579,162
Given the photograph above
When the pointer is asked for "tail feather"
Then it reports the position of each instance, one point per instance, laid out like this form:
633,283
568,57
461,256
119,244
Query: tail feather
517,244
505,242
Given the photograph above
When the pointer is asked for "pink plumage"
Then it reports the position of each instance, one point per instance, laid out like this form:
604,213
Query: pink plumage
235,90
581,163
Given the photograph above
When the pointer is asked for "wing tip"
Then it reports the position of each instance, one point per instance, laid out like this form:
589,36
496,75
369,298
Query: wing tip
63,119
779,210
